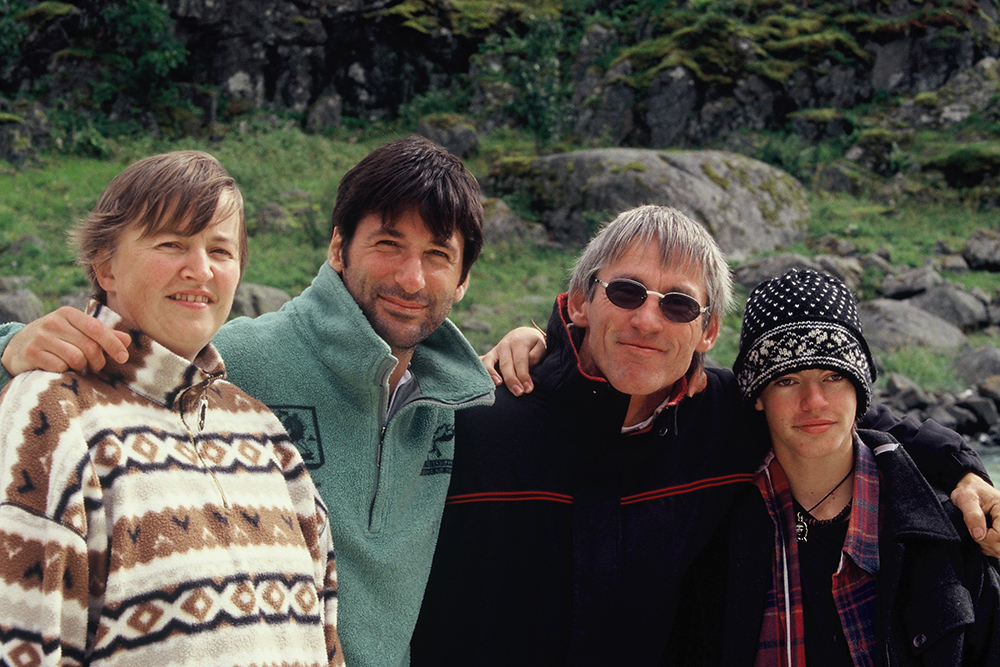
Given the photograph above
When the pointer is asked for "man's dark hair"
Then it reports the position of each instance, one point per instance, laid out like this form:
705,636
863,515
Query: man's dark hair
413,173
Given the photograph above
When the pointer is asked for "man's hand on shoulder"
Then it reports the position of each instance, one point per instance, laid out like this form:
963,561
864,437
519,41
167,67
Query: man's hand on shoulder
65,338
975,499
511,361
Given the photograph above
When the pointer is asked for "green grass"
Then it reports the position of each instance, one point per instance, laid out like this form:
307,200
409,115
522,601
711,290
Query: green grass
511,285
930,370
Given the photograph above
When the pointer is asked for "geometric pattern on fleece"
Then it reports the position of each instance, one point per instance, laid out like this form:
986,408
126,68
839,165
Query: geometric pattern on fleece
153,514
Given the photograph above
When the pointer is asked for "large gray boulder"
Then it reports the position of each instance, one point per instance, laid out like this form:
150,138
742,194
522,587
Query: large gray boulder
749,206
953,304
891,325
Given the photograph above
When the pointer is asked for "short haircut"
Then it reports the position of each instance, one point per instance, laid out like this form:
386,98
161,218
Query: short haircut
180,191
413,173
683,243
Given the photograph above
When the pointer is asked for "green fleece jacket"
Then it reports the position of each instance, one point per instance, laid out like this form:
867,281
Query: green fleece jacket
323,371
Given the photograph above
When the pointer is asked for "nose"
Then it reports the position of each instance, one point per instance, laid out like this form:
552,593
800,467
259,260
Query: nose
648,317
197,265
813,396
410,273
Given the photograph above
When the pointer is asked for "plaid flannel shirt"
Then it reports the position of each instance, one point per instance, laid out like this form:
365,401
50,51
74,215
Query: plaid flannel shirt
855,589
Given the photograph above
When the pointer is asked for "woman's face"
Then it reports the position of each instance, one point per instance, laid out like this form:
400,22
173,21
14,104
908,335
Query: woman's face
810,413
177,289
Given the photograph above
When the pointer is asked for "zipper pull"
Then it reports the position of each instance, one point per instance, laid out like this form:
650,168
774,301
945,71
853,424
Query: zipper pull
202,410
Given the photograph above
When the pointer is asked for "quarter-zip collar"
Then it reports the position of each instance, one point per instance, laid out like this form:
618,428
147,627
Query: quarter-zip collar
156,373
327,315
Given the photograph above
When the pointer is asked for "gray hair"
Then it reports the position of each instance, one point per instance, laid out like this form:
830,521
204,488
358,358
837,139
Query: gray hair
683,243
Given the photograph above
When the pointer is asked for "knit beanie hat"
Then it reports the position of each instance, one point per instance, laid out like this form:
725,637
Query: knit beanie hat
801,320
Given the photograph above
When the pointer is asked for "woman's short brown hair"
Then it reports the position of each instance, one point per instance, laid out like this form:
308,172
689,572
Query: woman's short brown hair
180,191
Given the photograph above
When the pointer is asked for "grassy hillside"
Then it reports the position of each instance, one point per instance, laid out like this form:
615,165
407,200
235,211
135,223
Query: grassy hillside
511,285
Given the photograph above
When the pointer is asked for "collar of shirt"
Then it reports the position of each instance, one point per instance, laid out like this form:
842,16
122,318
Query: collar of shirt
675,397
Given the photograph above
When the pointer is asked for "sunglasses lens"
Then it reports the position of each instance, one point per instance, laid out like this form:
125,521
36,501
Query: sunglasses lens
679,308
625,294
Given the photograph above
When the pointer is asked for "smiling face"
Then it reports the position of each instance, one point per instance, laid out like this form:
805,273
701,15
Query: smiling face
177,289
640,352
403,279
810,414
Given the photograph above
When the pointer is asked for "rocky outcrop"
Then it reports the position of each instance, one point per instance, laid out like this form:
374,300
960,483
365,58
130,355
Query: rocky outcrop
749,206
324,59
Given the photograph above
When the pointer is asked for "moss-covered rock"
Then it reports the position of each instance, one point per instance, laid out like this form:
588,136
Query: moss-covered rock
747,205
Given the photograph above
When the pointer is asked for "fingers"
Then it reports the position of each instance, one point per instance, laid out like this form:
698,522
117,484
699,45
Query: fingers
980,506
515,368
490,361
510,362
64,339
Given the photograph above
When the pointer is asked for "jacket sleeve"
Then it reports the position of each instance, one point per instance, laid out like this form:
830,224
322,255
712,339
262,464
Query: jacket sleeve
982,640
941,454
7,332
45,562
314,521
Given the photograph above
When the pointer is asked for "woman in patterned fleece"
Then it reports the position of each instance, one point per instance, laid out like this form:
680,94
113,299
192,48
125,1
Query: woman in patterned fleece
168,520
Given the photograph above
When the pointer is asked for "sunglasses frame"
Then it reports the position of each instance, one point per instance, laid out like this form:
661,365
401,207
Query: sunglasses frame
701,309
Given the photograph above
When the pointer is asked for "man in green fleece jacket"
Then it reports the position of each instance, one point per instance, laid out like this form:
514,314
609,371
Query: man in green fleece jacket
364,371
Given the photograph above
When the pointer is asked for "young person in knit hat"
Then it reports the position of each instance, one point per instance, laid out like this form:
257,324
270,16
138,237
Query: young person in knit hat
840,553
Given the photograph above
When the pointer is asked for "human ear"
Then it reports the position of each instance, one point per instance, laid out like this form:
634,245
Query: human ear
335,255
104,272
709,335
461,289
578,307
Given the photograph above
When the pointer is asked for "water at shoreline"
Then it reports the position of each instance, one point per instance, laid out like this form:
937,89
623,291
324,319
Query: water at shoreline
991,458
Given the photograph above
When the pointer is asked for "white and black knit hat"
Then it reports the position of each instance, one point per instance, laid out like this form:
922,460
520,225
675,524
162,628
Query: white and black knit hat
802,319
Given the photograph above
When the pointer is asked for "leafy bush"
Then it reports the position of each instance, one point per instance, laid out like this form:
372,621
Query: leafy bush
11,31
533,65
137,45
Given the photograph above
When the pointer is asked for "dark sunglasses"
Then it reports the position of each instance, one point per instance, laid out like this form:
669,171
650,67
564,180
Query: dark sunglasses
629,294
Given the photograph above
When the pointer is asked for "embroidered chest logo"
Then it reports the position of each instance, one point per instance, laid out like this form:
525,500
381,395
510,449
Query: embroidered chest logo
443,444
303,428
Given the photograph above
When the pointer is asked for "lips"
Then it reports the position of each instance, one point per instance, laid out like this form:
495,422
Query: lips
818,426
639,346
403,304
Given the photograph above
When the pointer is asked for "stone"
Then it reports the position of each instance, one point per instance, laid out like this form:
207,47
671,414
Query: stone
501,224
748,206
20,305
891,325
982,250
671,99
953,304
451,131
754,272
325,114
977,365
252,300
909,283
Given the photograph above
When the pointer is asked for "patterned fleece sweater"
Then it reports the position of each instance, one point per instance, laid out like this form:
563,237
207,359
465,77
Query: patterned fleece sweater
153,514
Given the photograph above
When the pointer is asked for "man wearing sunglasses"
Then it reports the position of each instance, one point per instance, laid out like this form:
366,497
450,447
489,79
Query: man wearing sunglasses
575,511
